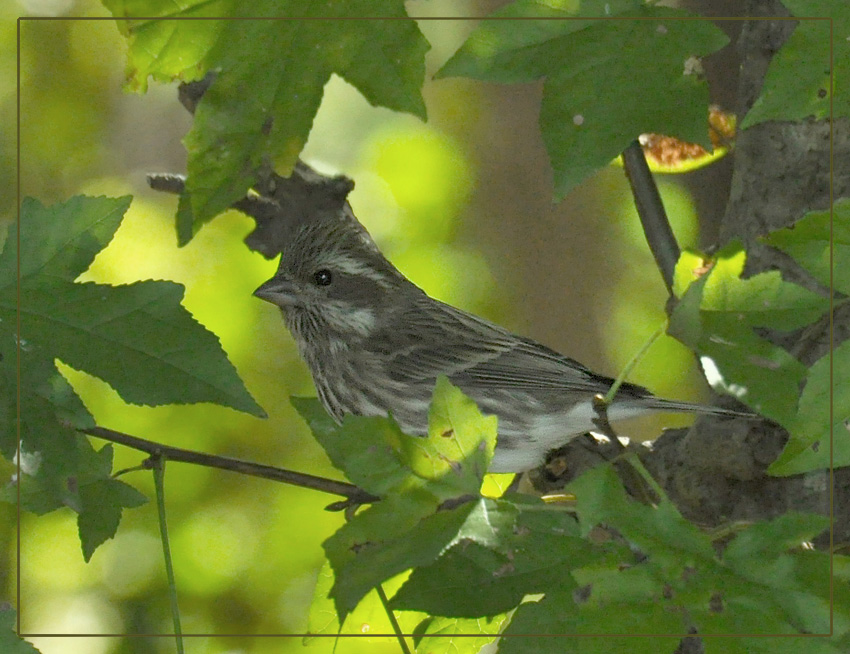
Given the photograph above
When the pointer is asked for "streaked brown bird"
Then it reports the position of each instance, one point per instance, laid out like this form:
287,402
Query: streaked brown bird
375,344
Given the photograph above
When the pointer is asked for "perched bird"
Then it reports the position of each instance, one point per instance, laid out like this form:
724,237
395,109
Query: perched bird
375,343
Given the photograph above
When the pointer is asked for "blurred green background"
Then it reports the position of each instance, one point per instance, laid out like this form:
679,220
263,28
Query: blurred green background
462,205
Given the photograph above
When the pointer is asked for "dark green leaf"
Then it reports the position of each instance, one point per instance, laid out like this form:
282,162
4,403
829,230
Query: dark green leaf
827,385
402,532
471,580
775,537
364,448
559,614
660,529
808,241
10,642
101,502
62,240
594,104
797,83
138,338
756,645
510,51
467,581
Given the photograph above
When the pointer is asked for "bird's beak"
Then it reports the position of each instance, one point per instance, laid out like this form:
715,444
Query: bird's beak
277,291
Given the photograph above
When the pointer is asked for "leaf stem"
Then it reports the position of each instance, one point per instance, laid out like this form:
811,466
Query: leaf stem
159,482
396,628
627,370
637,464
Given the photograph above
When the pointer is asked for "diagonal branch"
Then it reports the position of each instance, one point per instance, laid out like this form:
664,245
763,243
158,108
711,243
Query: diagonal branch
352,493
653,217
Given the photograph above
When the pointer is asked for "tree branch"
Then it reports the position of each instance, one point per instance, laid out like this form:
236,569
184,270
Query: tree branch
653,217
352,493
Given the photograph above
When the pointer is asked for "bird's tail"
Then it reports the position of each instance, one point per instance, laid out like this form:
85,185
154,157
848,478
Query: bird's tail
690,407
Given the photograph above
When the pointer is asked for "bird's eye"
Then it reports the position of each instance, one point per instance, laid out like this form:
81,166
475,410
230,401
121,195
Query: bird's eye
323,277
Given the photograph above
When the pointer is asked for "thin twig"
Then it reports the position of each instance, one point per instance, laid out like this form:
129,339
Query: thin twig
350,491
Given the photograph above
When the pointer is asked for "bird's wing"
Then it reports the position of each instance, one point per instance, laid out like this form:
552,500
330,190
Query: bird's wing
430,338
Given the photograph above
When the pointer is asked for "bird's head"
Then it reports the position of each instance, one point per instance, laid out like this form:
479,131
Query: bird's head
332,281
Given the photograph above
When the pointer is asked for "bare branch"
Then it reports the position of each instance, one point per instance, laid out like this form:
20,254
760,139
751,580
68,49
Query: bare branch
350,491
653,217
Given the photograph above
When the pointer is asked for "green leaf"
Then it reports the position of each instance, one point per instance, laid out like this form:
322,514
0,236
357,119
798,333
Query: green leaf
396,534
377,456
775,537
797,82
458,635
322,618
467,581
138,338
62,240
471,580
50,476
558,614
660,529
10,642
168,50
716,316
508,51
808,242
370,616
827,386
102,500
270,77
83,482
365,448
584,124
402,532
460,442
675,581
416,477
756,645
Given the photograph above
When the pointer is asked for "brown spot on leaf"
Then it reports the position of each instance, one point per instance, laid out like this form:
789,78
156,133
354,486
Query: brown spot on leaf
715,604
581,595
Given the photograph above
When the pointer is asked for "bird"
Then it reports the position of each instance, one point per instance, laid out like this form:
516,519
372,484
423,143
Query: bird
375,344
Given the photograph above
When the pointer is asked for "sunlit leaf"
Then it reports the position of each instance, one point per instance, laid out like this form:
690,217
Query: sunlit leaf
270,77
457,635
377,456
716,317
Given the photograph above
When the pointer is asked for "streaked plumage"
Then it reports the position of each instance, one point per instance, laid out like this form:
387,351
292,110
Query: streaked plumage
374,342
